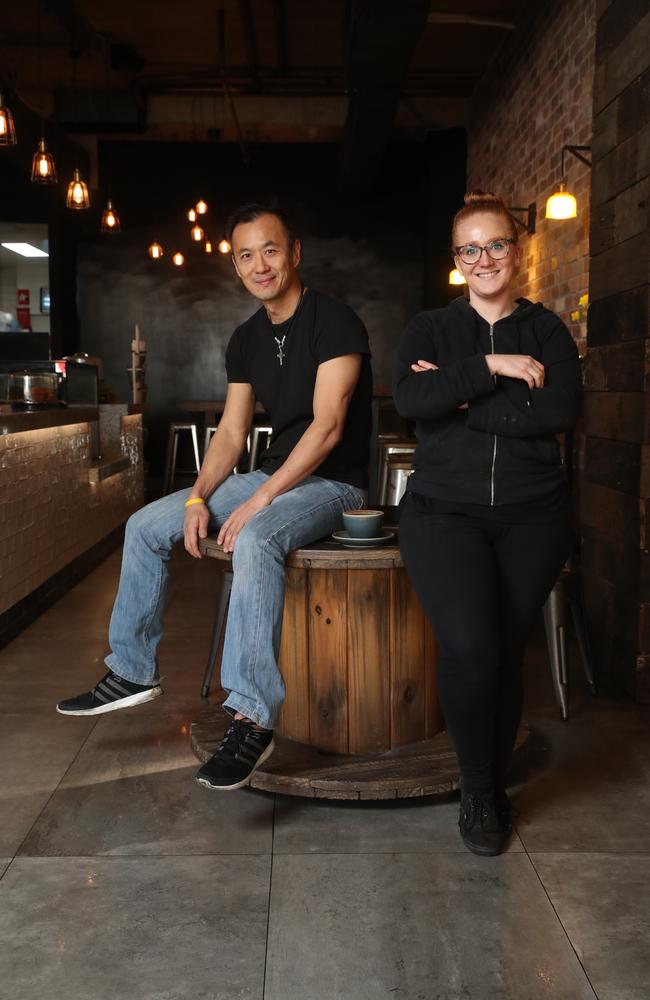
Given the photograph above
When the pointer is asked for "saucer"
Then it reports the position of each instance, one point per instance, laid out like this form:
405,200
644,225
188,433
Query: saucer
362,543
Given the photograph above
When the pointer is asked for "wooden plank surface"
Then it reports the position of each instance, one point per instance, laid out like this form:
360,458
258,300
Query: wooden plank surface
328,684
408,661
368,660
294,657
426,768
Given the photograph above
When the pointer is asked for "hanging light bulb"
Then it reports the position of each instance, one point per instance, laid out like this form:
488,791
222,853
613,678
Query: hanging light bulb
191,215
155,251
208,246
7,127
561,205
224,246
456,278
43,168
197,234
178,259
201,207
110,219
77,193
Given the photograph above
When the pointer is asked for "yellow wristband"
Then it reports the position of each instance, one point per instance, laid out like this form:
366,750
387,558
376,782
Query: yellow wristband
188,503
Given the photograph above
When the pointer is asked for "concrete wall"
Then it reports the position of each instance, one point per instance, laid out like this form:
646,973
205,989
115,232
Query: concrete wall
372,255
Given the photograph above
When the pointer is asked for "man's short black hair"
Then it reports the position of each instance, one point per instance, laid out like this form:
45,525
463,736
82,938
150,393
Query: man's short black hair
253,210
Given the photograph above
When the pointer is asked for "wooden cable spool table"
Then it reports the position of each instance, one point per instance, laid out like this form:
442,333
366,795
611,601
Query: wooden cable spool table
361,718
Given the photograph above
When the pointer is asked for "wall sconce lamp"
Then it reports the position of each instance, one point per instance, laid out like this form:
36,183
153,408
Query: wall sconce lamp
531,216
456,278
562,204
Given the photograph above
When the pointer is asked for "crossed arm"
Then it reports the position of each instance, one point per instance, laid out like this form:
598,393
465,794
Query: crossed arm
335,383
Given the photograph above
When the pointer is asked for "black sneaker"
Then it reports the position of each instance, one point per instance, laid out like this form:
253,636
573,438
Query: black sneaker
480,824
506,811
240,753
112,693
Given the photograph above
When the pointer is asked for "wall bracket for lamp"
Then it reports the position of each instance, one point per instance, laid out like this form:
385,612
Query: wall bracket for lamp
531,216
578,152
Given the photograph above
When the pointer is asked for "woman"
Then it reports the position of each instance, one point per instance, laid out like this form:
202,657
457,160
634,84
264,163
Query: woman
485,525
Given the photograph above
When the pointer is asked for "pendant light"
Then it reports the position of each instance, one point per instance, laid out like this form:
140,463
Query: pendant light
178,259
110,219
208,246
191,215
456,278
7,127
224,246
155,251
197,233
43,167
562,204
201,207
78,197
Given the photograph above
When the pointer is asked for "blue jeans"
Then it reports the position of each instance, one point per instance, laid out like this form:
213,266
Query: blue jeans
249,668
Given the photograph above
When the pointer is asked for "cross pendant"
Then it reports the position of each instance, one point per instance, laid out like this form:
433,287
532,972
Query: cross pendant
280,354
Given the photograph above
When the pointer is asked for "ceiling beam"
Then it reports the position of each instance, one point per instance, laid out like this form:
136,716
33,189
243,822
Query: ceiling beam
378,50
248,18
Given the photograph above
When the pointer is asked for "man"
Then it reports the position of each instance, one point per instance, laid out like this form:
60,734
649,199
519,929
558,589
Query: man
305,357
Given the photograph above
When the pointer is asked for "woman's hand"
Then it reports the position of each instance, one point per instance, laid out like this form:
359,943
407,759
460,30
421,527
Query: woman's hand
428,366
424,366
195,526
517,366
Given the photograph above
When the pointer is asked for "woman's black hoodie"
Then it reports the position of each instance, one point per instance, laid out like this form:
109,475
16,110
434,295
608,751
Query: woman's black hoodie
501,449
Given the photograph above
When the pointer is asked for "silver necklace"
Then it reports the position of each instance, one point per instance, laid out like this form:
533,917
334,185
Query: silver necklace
281,354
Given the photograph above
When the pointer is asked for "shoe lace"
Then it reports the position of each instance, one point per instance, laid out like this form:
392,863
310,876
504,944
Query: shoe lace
233,738
477,810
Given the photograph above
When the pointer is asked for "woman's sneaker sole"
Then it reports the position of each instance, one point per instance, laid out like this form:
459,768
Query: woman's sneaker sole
245,781
113,706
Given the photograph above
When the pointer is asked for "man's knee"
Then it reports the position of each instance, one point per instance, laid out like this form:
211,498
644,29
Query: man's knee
255,544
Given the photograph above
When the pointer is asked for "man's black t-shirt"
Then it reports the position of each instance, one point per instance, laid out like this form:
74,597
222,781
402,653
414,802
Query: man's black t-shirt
321,329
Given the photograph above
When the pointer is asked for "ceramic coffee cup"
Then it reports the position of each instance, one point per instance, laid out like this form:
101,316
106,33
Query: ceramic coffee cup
363,523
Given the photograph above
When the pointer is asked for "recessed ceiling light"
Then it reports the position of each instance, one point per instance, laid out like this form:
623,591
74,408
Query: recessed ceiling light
25,249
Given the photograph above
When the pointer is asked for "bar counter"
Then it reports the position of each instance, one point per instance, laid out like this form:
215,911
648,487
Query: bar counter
59,497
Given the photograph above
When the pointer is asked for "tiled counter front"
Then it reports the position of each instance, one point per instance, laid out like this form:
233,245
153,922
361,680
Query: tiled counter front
49,511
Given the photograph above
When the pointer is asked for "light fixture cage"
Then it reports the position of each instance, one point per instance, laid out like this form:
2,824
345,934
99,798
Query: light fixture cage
110,219
78,197
224,246
7,126
191,215
201,207
43,166
197,233
155,251
178,259
208,246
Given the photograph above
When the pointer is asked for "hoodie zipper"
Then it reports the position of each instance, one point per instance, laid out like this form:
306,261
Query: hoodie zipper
494,449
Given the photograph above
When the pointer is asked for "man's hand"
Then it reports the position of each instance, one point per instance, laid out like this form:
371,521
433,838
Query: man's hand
239,518
195,526
517,366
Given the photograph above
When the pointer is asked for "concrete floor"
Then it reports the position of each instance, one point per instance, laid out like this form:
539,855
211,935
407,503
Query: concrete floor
122,879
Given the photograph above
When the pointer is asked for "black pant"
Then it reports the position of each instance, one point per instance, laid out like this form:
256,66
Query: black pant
482,584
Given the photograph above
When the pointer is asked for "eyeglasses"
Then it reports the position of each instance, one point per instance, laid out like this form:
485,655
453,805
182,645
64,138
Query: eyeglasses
470,253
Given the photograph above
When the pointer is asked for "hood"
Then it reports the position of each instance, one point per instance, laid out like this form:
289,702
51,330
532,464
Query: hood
526,309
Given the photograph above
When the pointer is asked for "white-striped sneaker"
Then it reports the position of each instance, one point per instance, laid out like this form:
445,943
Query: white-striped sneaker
112,693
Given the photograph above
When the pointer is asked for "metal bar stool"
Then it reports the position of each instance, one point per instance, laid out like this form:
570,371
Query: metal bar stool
218,630
172,451
391,447
254,444
207,437
567,590
398,470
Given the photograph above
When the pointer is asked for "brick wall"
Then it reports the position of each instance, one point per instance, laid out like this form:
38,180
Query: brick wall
535,97
49,512
615,509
